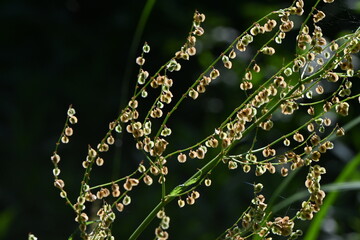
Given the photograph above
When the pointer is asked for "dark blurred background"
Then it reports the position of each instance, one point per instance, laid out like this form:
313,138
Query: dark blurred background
57,53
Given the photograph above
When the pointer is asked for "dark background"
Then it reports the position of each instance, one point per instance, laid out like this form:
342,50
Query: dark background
57,53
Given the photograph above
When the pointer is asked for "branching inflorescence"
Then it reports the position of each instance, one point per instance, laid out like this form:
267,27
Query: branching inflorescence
297,86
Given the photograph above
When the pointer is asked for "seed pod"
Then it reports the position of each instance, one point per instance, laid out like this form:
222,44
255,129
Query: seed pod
214,73
181,203
207,182
181,158
126,200
148,180
190,200
120,207
55,158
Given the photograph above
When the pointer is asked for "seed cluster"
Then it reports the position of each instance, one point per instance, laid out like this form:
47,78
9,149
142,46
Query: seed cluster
300,87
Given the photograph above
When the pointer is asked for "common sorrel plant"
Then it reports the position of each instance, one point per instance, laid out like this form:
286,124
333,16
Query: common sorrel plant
312,86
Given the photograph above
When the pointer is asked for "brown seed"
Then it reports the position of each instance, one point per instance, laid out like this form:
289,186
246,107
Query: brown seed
284,172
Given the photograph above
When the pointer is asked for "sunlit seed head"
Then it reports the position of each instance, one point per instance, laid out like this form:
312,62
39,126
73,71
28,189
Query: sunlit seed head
63,194
104,147
278,40
73,119
232,165
71,112
256,68
320,15
32,237
193,94
154,170
148,180
140,61
246,85
199,17
315,156
308,149
232,54
288,72
118,128
246,168
119,207
329,145
185,56
258,187
55,158
192,154
266,152
286,142
260,170
99,161
181,203
271,168
322,148
319,89
327,106
315,140
268,50
310,127
146,48
226,142
282,159
59,183
248,76
126,200
85,164
334,46
296,68
127,185
130,128
332,77
228,64
225,58
342,108
310,69
320,61
348,84
255,30
214,73
284,171
160,214
65,139
133,103
240,46
190,200
309,94
287,26
267,27
298,137
166,132
350,72
207,182
199,31
195,194
110,140
321,41
56,172
134,181
200,153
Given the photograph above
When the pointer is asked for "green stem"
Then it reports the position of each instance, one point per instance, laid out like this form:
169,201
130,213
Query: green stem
150,217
